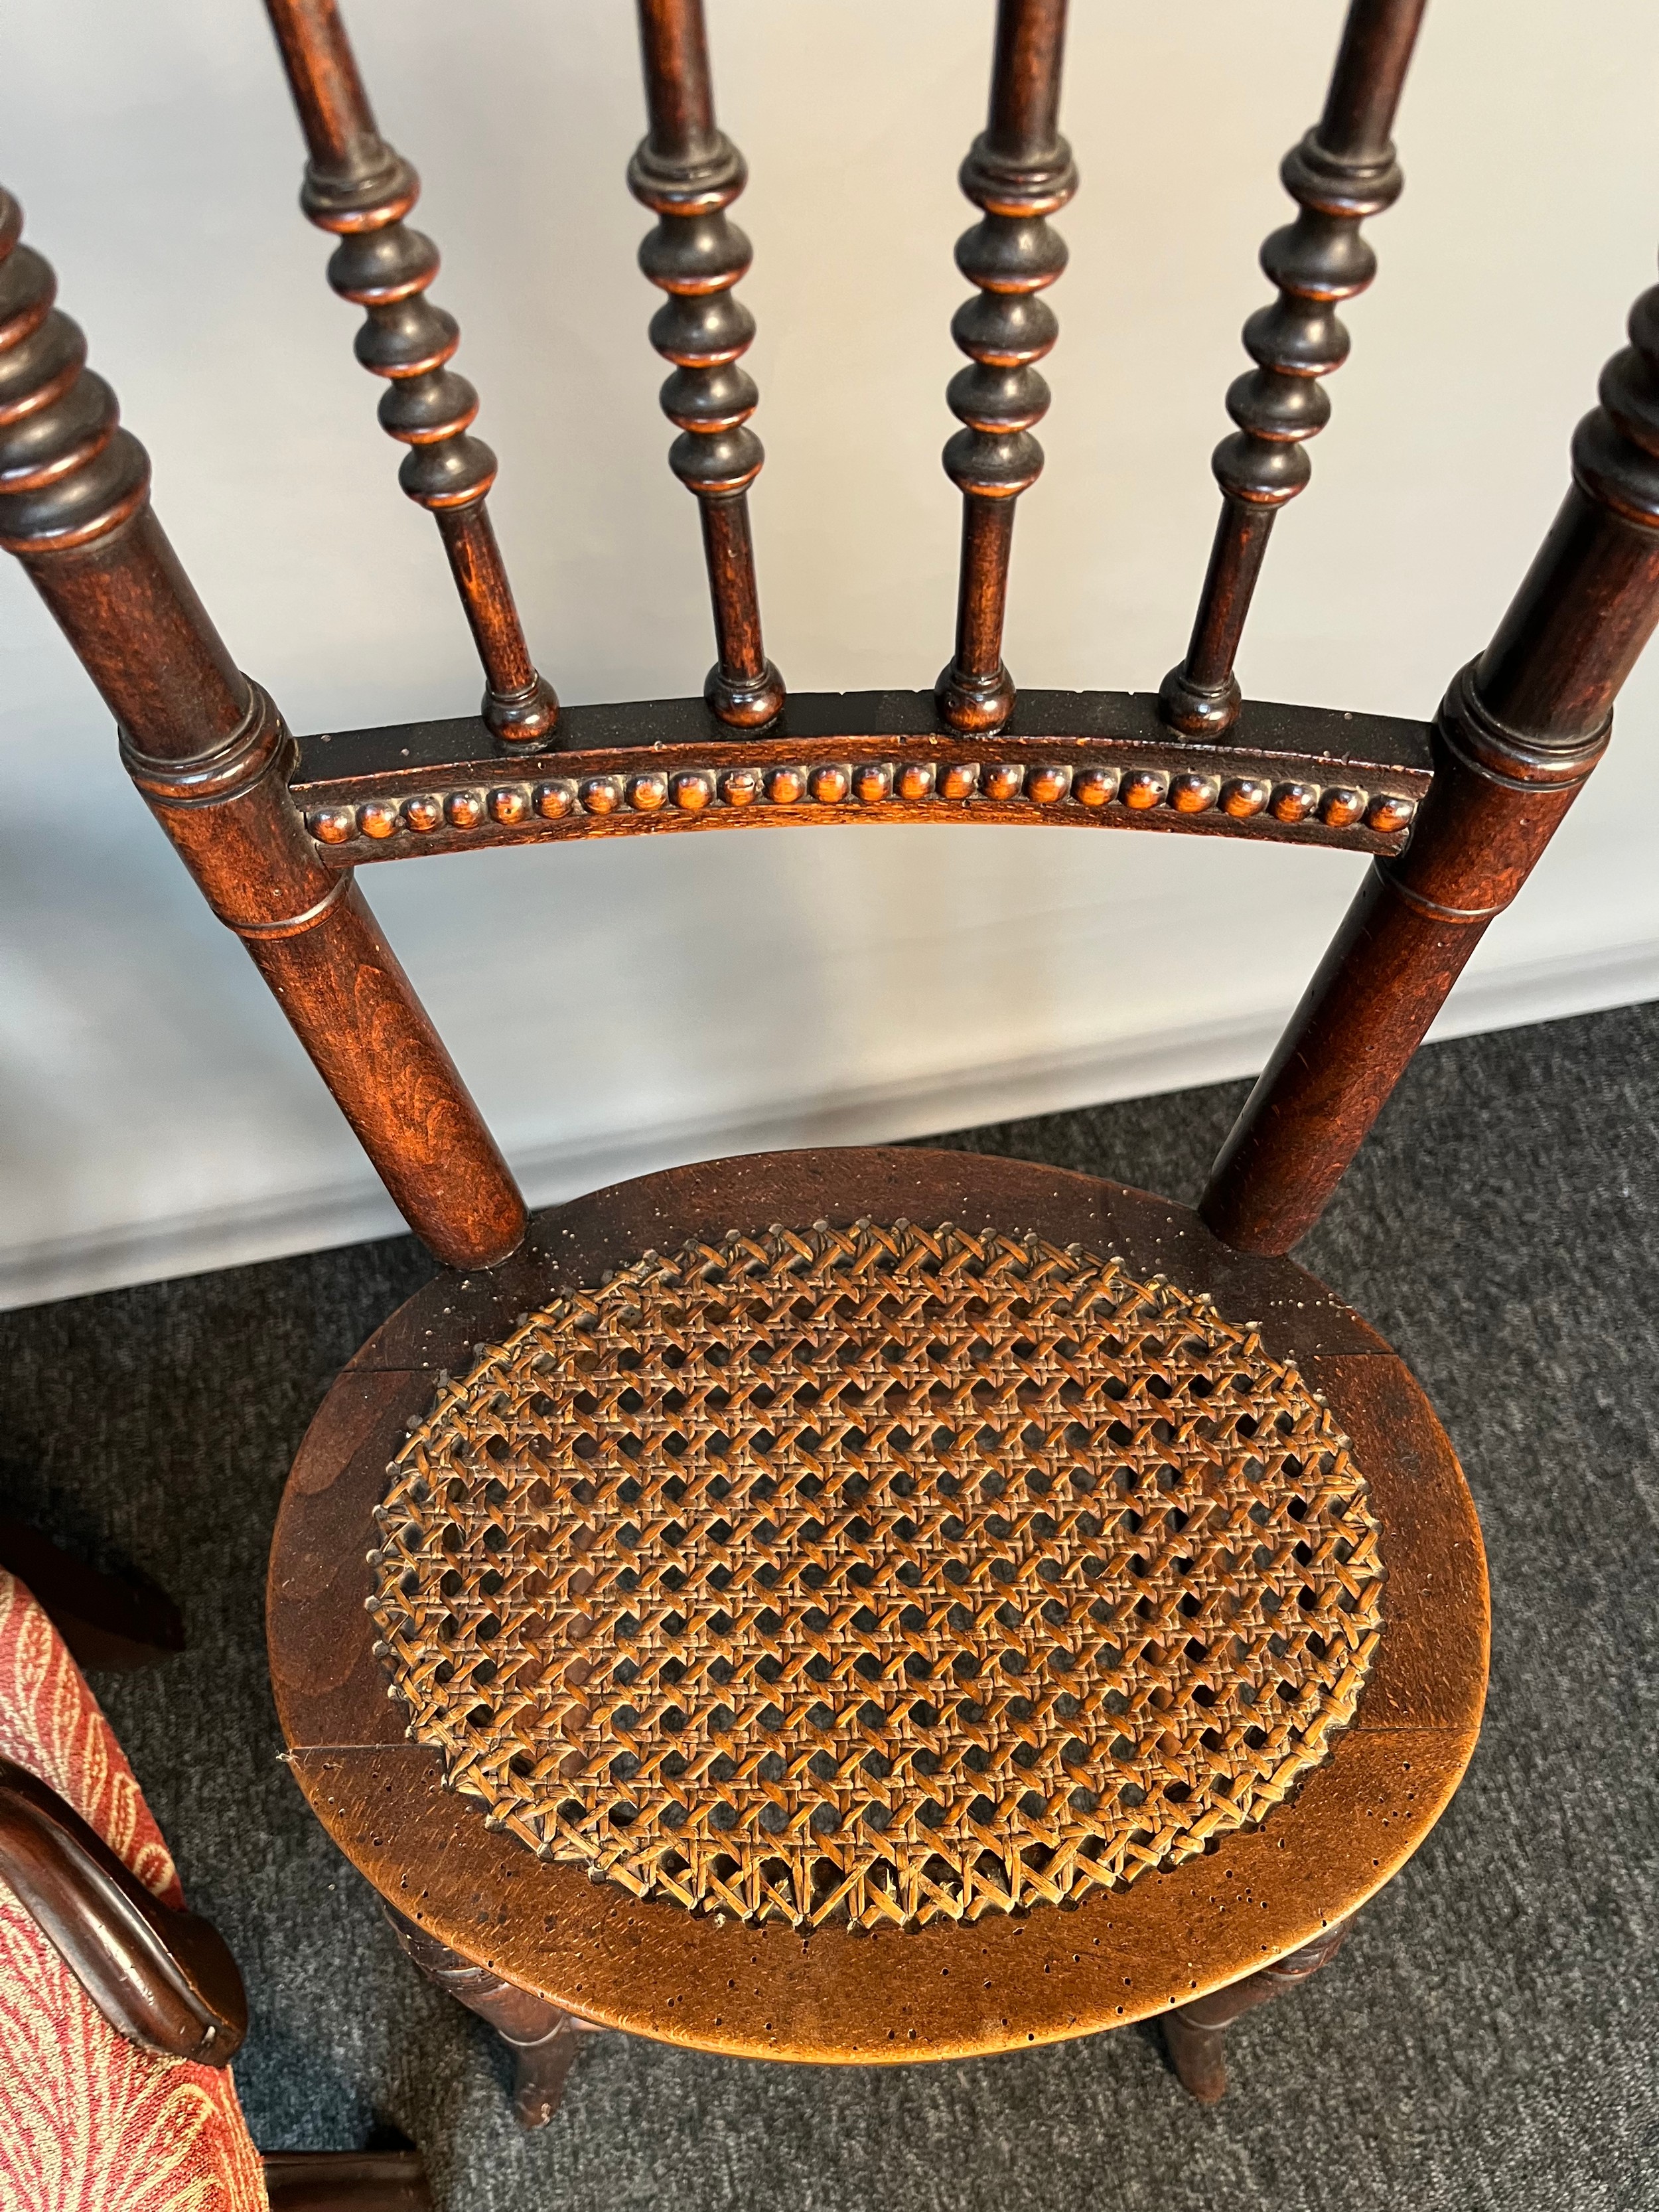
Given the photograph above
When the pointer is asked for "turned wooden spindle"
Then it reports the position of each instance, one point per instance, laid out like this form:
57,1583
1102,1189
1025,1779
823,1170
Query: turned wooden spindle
688,172
212,757
1343,171
1521,729
1019,171
358,188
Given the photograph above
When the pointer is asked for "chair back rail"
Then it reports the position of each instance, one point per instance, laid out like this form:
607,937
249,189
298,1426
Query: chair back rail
1455,815
1302,774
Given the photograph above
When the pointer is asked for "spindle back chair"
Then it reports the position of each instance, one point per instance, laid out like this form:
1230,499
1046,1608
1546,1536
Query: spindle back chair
851,1571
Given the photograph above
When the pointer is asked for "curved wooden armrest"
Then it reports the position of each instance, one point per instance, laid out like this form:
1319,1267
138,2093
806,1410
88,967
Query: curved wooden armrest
160,1976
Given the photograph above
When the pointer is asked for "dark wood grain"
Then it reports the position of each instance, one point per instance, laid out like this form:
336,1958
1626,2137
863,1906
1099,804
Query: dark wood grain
688,172
345,2181
212,755
159,1976
1019,172
1518,733
1195,2034
1000,1983
360,189
1343,171
542,2040
1454,818
1079,758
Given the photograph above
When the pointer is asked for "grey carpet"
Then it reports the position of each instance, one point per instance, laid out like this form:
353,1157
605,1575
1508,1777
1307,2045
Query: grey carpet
1486,2041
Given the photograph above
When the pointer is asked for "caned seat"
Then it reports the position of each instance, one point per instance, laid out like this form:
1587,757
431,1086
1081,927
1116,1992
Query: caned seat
866,1605
770,1614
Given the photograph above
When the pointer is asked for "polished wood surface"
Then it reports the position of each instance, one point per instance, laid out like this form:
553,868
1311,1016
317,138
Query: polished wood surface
212,755
360,189
1195,2034
1064,758
159,1976
163,1978
1454,831
1019,171
542,2040
345,2181
1520,731
1454,818
688,172
940,1991
1341,172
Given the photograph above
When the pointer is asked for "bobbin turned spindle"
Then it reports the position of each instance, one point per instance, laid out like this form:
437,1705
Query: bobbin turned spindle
688,172
359,188
1343,171
1019,171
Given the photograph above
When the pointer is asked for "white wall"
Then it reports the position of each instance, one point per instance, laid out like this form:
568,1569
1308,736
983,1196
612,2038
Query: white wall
626,1005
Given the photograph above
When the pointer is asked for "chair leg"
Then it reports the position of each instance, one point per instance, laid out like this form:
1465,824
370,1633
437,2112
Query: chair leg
1195,2034
543,2039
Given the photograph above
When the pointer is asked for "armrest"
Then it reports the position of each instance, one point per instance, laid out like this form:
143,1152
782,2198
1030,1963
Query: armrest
162,1977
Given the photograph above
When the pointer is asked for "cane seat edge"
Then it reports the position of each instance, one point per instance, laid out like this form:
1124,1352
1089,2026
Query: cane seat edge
1346,1826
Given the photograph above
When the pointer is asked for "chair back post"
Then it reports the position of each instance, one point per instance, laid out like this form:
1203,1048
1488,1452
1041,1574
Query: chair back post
211,757
1519,732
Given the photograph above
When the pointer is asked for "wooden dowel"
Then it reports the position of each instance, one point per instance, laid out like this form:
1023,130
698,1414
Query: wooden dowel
1235,556
688,172
987,533
1377,42
1024,126
1520,732
679,91
1019,171
729,551
212,755
480,574
335,114
360,189
1343,171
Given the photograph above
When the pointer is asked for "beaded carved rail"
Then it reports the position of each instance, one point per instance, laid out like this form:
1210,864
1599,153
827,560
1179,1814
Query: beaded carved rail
1297,774
884,1575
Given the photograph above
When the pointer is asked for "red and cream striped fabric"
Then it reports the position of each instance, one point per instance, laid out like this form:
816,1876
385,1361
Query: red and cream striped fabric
88,2122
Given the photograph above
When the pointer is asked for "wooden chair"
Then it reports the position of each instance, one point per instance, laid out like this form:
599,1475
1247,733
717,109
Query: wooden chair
876,1605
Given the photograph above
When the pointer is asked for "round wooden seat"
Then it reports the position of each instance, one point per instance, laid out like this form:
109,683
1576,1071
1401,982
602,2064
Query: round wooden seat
876,1605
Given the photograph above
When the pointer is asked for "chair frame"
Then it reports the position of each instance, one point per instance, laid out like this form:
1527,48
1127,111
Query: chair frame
1455,813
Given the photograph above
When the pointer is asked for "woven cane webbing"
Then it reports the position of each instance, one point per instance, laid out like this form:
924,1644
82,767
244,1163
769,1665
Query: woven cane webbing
881,1574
